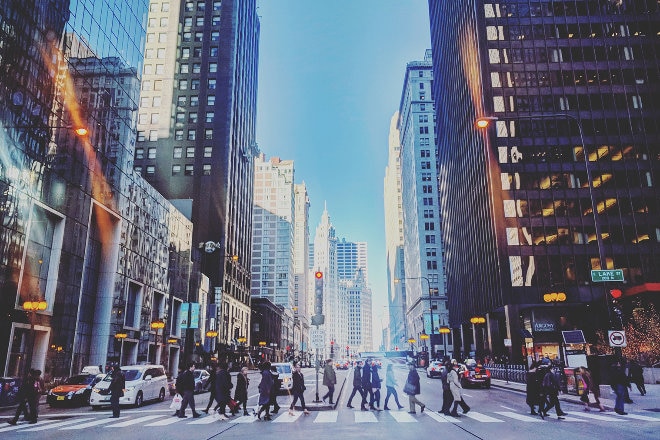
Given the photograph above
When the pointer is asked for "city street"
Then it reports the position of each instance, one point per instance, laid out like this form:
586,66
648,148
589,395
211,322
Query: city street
496,413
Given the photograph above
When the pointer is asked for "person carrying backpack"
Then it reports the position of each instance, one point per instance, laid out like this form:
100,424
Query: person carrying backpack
550,388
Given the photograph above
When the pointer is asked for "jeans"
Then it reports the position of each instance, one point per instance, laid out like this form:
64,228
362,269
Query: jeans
114,404
355,390
391,391
620,391
412,400
297,396
367,392
188,399
330,393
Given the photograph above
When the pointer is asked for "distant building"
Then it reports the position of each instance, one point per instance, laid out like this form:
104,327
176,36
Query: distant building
360,326
351,258
302,295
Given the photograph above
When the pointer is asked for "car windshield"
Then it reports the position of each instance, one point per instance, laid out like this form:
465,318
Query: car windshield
81,379
132,374
283,368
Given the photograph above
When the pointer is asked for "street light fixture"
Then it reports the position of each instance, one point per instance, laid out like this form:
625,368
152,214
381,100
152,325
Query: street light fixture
444,331
120,336
478,320
32,307
157,325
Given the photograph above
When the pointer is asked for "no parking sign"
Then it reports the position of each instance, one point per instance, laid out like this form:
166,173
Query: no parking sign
617,338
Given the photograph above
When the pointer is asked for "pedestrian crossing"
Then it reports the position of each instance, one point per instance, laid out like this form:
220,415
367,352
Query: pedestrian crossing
320,417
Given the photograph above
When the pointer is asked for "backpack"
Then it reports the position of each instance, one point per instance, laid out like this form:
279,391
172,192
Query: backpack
548,383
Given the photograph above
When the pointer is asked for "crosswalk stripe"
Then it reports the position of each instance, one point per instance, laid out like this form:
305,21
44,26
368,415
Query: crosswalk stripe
403,417
206,420
483,417
165,422
441,418
587,415
365,417
90,424
640,417
244,419
24,425
56,425
287,418
134,421
326,417
520,417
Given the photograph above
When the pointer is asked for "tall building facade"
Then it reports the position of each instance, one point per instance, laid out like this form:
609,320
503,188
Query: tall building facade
423,274
273,240
82,234
351,257
360,325
564,182
196,138
302,309
393,204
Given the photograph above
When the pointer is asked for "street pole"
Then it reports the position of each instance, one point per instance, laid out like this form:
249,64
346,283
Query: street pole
317,400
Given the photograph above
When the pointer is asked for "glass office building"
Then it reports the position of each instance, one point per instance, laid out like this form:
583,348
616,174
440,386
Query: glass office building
563,180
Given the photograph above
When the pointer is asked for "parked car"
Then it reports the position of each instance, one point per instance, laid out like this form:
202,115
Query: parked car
202,377
341,365
75,391
473,373
434,369
143,383
286,374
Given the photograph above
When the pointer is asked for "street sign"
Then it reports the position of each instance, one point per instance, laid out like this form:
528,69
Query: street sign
507,342
617,338
316,338
598,276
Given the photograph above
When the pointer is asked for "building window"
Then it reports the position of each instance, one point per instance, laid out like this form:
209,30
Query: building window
160,69
194,84
199,21
155,117
178,151
162,37
133,306
190,152
161,54
192,118
215,20
165,7
139,153
188,170
180,118
184,68
210,100
151,170
197,67
208,151
182,100
153,135
197,52
183,84
141,136
187,22
199,36
429,226
189,6
178,135
424,129
156,101
187,36
192,134
215,36
213,52
213,67
164,22
176,170
151,37
185,53
212,84
137,169
194,101
208,133
210,116
206,169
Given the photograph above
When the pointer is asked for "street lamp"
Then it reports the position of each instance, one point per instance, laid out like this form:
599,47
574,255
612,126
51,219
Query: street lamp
476,321
554,298
120,336
157,325
32,307
444,331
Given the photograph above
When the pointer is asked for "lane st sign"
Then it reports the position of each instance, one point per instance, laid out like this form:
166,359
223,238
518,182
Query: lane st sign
607,275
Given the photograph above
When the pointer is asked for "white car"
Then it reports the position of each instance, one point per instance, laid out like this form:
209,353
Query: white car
285,369
143,383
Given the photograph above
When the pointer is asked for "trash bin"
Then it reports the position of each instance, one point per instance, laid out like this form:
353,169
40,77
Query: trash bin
9,390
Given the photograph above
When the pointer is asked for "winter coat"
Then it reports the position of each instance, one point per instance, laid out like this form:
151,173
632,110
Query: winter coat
265,387
550,383
375,377
455,385
533,388
390,381
413,379
277,384
298,383
117,384
185,382
242,382
357,377
366,376
223,386
329,375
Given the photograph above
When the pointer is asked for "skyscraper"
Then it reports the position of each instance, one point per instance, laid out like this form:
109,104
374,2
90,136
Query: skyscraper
196,136
351,257
302,295
563,182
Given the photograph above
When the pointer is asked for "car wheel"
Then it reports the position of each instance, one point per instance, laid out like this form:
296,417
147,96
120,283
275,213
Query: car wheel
138,400
161,395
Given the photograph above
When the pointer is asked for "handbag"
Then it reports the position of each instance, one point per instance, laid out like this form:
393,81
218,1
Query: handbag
409,388
233,405
176,402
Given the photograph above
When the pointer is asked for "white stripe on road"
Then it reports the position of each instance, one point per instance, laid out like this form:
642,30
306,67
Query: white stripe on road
520,417
244,419
92,423
165,422
134,421
56,425
482,417
441,418
287,418
326,417
588,415
403,417
207,420
24,425
639,417
365,417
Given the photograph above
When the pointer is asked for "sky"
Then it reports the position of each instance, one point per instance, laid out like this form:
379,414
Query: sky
330,78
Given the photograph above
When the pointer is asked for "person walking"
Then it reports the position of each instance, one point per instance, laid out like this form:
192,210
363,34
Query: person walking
223,388
533,388
277,385
456,390
550,388
390,384
590,386
265,387
26,400
357,383
298,389
636,376
412,389
329,380
186,381
619,384
116,388
447,396
375,386
210,385
240,393
366,385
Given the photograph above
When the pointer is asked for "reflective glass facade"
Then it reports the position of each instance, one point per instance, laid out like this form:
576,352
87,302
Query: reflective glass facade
564,181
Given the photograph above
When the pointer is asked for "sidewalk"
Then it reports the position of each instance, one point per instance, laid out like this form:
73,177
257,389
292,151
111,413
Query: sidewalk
649,402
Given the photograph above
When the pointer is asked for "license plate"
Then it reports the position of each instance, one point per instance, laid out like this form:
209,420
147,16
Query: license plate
477,376
60,397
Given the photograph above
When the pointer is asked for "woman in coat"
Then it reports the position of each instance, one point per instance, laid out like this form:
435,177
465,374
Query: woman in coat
375,386
533,389
240,394
390,384
591,386
265,387
329,380
456,391
223,388
412,389
298,390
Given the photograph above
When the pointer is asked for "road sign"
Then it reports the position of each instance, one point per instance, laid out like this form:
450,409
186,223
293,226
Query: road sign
606,275
316,338
617,338
507,342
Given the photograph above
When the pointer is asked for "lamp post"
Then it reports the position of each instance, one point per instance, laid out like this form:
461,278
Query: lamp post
32,307
554,298
444,331
120,336
476,321
428,284
157,325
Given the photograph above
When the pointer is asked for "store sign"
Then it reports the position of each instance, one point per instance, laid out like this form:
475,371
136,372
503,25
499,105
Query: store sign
544,326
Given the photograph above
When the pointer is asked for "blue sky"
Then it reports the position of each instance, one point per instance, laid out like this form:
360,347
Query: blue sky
330,79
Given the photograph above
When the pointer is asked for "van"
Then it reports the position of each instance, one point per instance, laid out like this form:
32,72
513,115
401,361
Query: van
285,370
143,383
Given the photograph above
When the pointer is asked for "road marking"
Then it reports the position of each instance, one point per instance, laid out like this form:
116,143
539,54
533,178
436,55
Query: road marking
133,421
441,418
244,419
287,418
482,417
165,422
206,420
403,417
506,407
520,417
365,417
326,417
588,415
92,423
56,425
639,417
24,425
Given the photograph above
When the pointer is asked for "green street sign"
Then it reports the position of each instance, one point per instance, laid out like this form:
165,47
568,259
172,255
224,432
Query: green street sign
606,275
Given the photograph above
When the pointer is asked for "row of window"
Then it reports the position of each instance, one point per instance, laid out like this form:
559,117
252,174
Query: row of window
198,37
570,8
577,77
579,207
548,235
568,31
188,170
177,152
197,52
596,101
565,54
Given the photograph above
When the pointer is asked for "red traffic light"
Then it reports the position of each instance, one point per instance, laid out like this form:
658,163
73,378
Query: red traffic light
318,275
347,347
616,293
332,342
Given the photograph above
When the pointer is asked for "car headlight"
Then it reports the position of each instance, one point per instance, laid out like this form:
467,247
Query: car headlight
96,390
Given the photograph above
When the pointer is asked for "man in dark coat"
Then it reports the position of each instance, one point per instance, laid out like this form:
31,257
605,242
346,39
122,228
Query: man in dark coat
240,394
447,396
26,399
274,391
210,385
533,388
117,385
550,387
357,382
223,388
186,383
366,386
375,387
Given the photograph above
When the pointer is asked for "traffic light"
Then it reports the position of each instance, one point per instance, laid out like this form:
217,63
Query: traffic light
332,346
347,350
318,299
616,293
